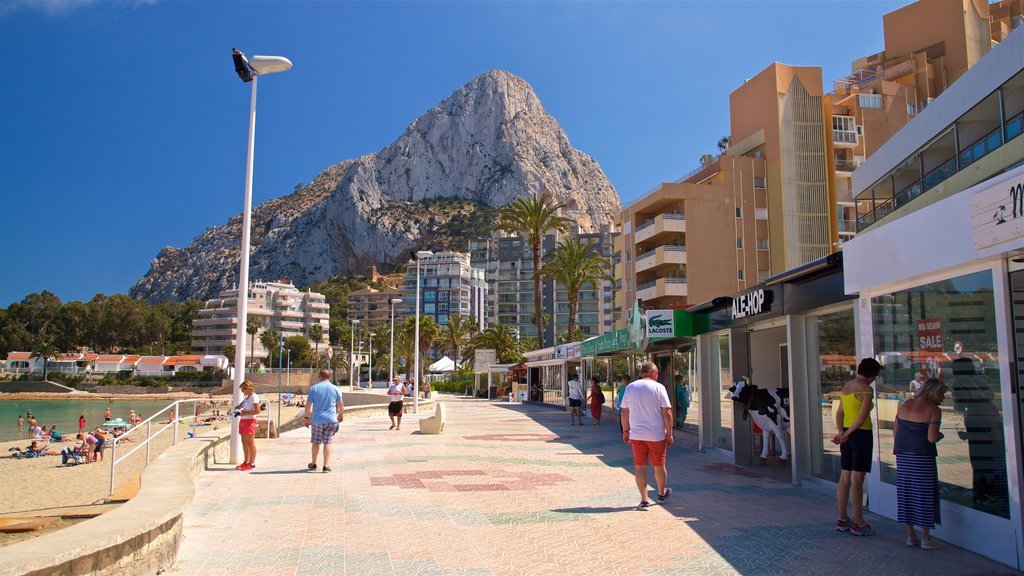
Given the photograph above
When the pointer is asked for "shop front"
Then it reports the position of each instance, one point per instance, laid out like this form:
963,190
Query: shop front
548,371
672,346
952,311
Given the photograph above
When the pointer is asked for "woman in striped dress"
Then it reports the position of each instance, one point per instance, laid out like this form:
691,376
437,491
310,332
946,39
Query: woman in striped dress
917,479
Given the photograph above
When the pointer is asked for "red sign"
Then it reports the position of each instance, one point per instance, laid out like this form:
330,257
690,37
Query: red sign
929,334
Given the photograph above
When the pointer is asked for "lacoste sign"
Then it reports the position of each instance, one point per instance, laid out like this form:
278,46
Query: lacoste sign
660,324
751,303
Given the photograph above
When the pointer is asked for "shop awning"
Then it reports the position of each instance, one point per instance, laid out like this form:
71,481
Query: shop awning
689,324
607,343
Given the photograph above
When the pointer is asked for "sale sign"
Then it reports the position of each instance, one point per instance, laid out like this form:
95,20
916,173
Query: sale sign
929,334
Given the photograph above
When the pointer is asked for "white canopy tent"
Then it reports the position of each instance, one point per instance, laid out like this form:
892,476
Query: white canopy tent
445,364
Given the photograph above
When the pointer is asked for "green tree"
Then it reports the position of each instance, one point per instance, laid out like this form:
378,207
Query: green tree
252,326
45,350
456,334
316,334
428,335
504,340
301,355
532,218
270,340
229,351
575,264
71,326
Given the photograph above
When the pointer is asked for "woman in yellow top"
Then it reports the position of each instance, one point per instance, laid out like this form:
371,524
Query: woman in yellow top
856,442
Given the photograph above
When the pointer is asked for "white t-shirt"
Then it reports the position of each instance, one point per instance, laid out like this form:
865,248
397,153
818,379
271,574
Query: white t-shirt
575,390
248,404
645,399
395,393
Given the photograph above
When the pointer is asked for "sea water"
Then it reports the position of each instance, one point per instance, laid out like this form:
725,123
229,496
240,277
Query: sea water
65,412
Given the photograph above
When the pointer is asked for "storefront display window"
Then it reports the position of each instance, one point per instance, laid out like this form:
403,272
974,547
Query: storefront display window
831,340
687,407
947,330
723,431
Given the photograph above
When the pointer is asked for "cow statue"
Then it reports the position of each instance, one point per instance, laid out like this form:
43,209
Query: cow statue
770,409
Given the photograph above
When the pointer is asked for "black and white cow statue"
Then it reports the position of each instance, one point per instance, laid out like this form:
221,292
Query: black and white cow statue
770,409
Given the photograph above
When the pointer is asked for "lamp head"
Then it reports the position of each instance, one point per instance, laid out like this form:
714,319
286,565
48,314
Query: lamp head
396,300
259,65
423,253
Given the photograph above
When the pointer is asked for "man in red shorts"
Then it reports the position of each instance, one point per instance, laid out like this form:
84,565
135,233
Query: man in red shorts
647,426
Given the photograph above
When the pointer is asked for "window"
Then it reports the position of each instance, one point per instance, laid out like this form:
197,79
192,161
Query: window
739,212
869,100
739,243
442,296
761,214
762,243
917,329
428,296
739,274
629,284
629,255
428,308
759,182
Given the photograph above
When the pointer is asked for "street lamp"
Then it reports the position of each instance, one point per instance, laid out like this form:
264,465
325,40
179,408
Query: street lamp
248,71
391,371
360,358
370,373
416,383
352,353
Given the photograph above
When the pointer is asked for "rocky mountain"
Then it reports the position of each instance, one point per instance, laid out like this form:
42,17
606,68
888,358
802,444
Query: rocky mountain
435,187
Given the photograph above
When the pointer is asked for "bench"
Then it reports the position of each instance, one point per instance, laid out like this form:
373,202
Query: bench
434,425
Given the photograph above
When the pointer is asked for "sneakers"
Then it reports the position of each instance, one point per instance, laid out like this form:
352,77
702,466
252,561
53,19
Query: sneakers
912,542
311,466
327,469
929,544
864,529
663,497
645,505
843,524
243,466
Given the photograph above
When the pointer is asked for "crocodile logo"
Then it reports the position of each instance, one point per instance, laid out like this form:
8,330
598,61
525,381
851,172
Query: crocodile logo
657,322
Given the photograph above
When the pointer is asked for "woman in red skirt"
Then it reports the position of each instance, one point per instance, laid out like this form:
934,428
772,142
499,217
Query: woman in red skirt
596,400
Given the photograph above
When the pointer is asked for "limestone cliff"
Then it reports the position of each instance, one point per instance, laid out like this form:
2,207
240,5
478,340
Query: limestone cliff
435,187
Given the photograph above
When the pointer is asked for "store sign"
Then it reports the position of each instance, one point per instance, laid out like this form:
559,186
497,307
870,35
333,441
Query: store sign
929,334
660,323
997,213
637,328
566,351
752,303
482,360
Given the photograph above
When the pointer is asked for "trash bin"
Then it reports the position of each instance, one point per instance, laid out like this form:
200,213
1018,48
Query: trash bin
492,393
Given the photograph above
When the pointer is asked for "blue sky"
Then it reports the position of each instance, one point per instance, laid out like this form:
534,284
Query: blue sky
123,126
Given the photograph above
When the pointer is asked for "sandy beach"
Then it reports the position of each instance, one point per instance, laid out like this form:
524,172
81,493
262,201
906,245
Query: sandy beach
33,486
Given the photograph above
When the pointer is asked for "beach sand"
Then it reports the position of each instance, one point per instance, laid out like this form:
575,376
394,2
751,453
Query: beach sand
40,486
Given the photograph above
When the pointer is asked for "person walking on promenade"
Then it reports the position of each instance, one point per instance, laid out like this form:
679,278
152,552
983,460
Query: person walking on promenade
396,395
596,400
618,399
246,412
81,424
324,410
647,427
856,443
575,400
915,434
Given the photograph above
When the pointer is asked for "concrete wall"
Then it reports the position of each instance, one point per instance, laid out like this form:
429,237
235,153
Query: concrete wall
14,387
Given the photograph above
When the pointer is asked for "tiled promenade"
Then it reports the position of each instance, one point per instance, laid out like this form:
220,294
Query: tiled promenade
510,490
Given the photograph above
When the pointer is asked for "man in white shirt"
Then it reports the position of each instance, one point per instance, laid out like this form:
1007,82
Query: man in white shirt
575,400
647,426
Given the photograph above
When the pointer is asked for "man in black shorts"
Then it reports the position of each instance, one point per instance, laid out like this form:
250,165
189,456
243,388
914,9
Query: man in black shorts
396,395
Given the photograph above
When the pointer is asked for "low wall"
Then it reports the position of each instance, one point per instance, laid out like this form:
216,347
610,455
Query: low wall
140,537
27,386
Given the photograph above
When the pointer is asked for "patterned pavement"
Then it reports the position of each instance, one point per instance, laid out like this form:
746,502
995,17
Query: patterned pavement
514,490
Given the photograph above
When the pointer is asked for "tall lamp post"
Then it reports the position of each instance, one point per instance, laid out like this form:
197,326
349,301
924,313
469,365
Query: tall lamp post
248,71
391,371
416,384
370,373
352,353
359,360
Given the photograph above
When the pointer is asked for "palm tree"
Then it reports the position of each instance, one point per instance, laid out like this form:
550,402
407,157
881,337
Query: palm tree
428,335
573,264
252,326
270,340
501,338
532,218
404,350
45,350
456,335
316,334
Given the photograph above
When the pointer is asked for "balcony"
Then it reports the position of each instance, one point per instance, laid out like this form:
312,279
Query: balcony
662,224
846,167
662,287
213,322
668,255
844,138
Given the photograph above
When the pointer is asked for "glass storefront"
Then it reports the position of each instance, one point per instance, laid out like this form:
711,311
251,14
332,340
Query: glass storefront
687,379
831,340
947,329
723,425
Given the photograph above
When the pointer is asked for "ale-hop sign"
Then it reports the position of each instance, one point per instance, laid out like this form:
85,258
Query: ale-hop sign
752,303
997,214
660,323
929,334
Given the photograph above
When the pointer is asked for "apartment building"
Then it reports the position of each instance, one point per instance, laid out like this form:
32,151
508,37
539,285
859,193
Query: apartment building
449,285
508,265
928,45
277,306
372,307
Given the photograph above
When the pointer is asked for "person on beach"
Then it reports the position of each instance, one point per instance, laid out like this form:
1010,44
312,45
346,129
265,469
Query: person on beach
324,410
915,433
575,400
90,447
246,411
596,400
81,424
647,427
21,422
101,441
131,417
856,443
396,395
106,415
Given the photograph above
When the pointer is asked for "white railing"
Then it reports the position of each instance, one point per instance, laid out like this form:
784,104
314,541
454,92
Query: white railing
148,422
675,248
